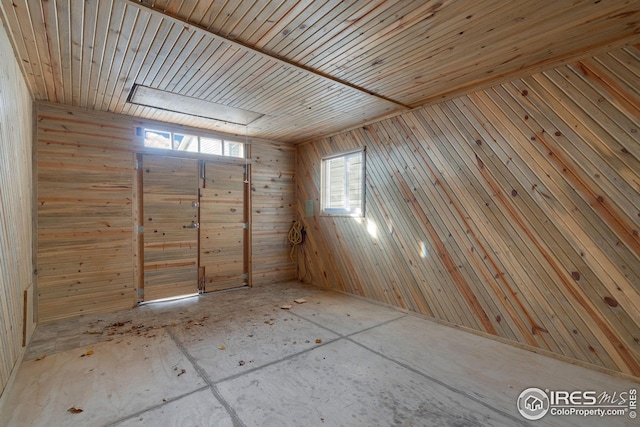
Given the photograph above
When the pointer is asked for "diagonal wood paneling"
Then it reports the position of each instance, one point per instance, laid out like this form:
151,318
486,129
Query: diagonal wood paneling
514,211
312,68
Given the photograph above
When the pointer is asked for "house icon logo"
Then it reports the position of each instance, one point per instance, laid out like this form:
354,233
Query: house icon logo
533,403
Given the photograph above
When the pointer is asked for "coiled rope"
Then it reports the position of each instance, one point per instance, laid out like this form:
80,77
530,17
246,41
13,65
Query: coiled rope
295,237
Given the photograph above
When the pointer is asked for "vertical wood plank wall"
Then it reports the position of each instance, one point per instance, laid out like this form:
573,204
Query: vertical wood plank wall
85,211
16,264
514,211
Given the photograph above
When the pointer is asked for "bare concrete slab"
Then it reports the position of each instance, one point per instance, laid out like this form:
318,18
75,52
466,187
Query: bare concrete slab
197,409
99,384
233,343
343,384
237,358
344,314
487,371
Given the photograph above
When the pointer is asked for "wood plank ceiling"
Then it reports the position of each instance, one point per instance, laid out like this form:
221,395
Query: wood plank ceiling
310,67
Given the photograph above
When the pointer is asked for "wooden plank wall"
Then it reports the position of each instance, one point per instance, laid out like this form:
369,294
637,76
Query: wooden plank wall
16,262
272,211
514,211
85,212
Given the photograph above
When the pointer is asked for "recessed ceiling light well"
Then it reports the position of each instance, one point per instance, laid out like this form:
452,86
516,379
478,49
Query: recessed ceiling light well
150,97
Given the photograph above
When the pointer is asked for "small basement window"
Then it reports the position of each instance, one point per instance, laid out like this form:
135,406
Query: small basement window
193,143
343,182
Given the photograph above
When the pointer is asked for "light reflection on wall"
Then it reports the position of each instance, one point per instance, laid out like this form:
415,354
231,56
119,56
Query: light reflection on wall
372,228
424,253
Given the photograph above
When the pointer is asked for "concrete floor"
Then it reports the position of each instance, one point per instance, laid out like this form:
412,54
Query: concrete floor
237,359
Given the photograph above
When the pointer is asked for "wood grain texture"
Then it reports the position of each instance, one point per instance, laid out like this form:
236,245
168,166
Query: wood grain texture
170,188
312,68
222,230
16,236
272,211
514,211
86,215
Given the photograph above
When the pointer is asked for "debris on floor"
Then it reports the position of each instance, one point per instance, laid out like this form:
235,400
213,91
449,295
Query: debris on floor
223,347
286,306
318,341
300,301
74,410
41,357
88,353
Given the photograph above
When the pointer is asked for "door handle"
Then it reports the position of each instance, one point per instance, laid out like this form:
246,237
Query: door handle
192,225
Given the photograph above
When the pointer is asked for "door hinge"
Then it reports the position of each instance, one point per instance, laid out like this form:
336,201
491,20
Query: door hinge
245,276
140,229
245,225
140,292
138,164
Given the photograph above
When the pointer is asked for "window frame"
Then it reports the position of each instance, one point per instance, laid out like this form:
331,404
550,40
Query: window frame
223,140
326,211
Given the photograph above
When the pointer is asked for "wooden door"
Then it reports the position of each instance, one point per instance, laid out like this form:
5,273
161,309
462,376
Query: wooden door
170,213
222,226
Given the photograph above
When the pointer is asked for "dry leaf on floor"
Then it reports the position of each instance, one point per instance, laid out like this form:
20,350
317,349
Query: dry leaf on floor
286,306
300,301
88,353
74,410
41,357
223,347
318,341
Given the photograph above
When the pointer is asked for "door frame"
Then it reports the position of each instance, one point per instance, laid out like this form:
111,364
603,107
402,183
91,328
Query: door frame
138,213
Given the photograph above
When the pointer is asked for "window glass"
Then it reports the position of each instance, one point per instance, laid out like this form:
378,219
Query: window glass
343,184
157,139
234,149
211,146
185,142
193,143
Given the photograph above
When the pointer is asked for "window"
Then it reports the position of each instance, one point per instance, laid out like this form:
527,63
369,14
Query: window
192,143
343,184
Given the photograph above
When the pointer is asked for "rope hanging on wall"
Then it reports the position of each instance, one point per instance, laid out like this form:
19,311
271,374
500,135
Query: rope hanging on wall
295,237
